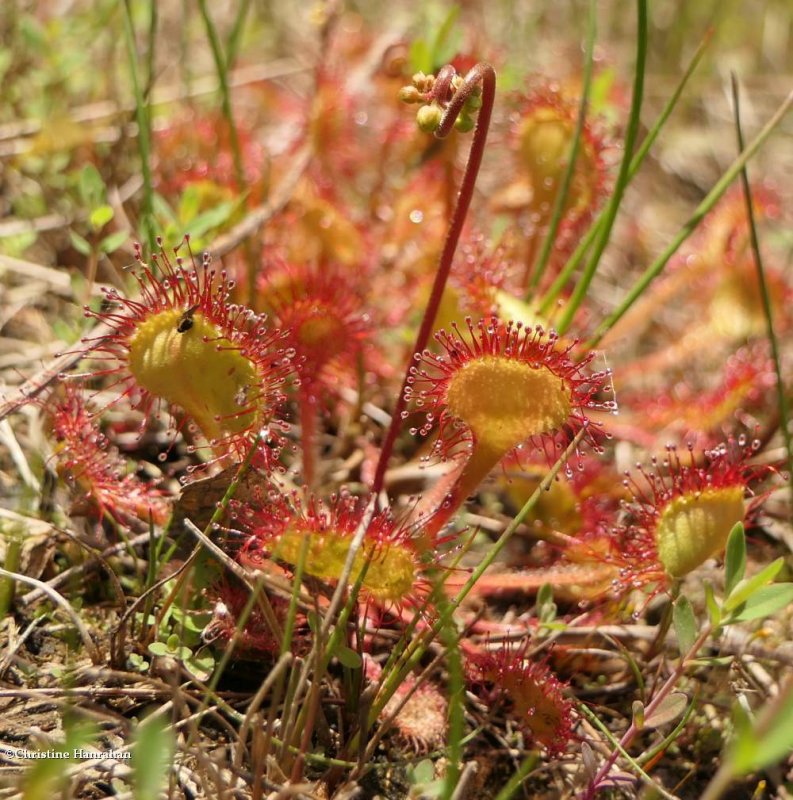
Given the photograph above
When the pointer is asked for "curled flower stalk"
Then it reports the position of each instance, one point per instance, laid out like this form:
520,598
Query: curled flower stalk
184,342
496,388
449,100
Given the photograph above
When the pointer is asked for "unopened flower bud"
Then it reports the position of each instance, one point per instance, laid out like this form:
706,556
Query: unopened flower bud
423,82
409,94
429,117
464,123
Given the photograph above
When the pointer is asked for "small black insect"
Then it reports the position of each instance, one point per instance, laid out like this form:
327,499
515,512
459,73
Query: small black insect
186,320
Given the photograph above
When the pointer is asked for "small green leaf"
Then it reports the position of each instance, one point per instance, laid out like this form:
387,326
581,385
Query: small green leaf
16,245
80,244
545,595
747,587
189,203
744,746
420,56
669,709
348,657
91,186
714,612
152,755
193,621
735,558
447,40
162,209
602,84
201,664
423,772
137,662
211,219
63,331
765,602
159,649
100,216
113,241
685,624
775,742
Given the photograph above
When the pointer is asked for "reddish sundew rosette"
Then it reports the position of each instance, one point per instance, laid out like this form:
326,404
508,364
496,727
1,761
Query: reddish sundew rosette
543,131
323,320
717,266
421,722
185,343
747,377
277,529
725,234
331,127
498,388
533,695
682,513
197,150
255,637
325,325
82,454
488,278
317,228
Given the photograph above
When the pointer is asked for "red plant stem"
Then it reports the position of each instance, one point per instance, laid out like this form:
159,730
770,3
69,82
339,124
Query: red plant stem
308,434
633,730
485,74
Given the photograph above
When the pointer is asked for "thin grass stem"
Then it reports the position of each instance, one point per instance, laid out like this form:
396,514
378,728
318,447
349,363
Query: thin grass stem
144,130
513,784
235,36
222,67
574,261
782,401
715,194
456,691
564,190
623,177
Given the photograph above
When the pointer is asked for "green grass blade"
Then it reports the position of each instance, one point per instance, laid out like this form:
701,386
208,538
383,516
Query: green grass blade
782,401
578,255
221,66
235,37
715,194
623,177
561,197
144,130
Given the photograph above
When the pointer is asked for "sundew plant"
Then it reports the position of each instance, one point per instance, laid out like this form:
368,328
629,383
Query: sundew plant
394,401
